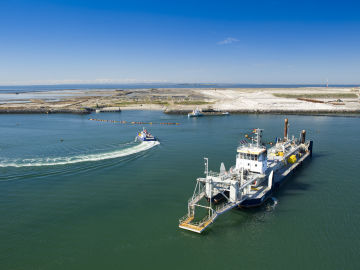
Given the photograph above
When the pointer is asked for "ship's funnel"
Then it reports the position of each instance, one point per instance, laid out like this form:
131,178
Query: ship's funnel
302,136
286,128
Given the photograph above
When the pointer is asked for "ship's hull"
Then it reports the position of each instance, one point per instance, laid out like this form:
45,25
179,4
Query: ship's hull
251,203
257,174
278,181
146,139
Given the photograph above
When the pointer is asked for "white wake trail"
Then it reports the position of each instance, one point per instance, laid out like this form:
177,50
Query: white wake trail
35,162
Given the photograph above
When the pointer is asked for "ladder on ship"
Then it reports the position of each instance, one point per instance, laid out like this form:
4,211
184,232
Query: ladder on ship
187,222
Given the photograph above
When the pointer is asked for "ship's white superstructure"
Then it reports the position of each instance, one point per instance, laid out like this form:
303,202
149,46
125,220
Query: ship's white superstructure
195,113
252,157
257,172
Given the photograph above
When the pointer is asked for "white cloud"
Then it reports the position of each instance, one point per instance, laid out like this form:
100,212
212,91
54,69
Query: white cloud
228,40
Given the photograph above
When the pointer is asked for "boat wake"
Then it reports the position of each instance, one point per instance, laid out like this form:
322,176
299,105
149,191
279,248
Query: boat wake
273,202
52,161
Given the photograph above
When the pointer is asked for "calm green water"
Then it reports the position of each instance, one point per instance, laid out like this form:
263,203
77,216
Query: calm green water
122,213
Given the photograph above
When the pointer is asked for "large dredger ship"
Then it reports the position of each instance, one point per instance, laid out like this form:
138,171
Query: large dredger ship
250,182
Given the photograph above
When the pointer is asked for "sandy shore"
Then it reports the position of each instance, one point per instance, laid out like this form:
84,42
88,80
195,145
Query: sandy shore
311,100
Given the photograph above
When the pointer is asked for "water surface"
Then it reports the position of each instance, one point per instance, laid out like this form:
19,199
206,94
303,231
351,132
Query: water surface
122,212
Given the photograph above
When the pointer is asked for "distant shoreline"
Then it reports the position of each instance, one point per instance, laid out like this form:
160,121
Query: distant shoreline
354,113
300,100
12,89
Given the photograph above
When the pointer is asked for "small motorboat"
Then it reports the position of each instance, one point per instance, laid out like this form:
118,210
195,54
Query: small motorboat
145,136
195,113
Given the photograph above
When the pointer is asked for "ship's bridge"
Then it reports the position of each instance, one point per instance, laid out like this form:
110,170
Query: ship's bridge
252,158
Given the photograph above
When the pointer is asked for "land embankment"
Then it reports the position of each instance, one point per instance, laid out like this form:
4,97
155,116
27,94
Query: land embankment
302,100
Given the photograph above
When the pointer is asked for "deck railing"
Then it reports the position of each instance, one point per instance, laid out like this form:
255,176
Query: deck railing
204,220
196,198
223,207
182,220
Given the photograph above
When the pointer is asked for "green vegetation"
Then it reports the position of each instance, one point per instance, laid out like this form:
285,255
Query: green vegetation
192,102
317,95
139,102
162,102
159,102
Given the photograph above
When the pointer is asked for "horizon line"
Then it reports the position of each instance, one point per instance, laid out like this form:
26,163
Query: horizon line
174,83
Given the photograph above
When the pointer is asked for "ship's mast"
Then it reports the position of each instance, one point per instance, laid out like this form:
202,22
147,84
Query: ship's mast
206,167
257,139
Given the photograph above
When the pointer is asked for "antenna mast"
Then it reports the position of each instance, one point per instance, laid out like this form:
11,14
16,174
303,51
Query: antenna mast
206,167
258,133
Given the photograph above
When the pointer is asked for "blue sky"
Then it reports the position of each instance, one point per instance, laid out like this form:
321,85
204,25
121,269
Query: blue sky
47,42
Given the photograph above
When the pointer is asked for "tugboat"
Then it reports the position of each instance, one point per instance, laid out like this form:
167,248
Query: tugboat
258,172
145,136
195,113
